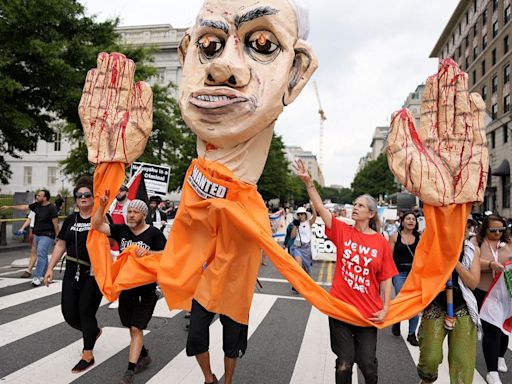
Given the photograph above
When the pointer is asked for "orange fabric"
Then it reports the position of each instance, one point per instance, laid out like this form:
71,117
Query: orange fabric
226,233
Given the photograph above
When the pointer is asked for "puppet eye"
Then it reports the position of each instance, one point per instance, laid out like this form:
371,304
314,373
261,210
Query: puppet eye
210,46
263,43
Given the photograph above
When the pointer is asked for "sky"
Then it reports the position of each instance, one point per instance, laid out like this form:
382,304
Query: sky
371,55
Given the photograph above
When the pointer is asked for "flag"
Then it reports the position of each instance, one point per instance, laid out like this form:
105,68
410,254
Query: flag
137,188
497,306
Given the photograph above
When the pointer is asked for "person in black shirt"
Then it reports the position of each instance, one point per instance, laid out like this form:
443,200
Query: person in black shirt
46,226
81,296
136,305
58,202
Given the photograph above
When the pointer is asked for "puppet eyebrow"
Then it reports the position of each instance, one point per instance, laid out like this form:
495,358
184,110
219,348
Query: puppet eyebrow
254,14
214,24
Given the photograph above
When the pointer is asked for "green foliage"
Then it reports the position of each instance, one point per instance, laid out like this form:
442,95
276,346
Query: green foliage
275,179
375,179
340,196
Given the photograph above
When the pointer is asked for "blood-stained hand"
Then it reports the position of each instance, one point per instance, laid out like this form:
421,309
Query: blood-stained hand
445,161
116,113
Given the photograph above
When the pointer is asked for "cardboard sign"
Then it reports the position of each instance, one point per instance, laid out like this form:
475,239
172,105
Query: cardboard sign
155,176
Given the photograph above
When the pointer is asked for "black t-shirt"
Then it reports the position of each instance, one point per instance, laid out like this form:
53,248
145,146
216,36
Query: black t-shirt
74,232
151,239
43,225
403,254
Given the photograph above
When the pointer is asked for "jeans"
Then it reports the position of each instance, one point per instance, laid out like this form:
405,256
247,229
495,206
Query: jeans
398,283
353,344
43,246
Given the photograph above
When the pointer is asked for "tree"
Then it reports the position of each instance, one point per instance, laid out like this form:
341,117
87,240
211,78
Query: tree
47,47
275,179
375,179
340,196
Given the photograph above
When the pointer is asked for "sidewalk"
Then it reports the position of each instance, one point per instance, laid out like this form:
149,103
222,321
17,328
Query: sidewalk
13,245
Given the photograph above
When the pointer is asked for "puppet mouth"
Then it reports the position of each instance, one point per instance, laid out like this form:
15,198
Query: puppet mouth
214,100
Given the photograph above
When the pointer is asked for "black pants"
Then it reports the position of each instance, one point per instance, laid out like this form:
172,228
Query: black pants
234,335
79,303
494,341
352,344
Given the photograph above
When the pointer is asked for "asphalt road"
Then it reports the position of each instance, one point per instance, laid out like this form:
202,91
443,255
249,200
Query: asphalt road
289,340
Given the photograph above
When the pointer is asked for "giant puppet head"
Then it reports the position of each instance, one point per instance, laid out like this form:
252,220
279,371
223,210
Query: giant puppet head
243,61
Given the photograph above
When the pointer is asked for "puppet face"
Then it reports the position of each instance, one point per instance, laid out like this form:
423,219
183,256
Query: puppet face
240,68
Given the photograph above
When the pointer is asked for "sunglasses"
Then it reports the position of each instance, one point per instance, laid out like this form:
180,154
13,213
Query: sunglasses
497,230
85,195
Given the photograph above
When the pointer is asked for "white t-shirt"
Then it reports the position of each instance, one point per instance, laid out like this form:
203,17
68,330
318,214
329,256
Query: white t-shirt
304,233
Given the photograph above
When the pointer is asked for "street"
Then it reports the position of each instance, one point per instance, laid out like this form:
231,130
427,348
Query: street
288,340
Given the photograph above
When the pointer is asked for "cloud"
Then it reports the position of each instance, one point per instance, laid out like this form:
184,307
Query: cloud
371,55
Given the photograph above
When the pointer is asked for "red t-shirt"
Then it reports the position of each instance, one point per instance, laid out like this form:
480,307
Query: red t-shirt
117,214
362,262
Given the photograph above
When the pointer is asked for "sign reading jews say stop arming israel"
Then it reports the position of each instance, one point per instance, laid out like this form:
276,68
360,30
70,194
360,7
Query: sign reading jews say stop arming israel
156,178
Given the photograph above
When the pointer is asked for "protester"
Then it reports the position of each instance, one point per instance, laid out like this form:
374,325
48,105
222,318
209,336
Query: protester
59,201
46,226
496,249
362,254
302,235
156,217
136,305
81,296
404,243
29,223
436,322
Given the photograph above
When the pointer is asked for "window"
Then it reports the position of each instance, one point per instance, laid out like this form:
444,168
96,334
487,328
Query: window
494,116
467,18
52,176
484,42
505,134
506,74
474,5
483,68
459,54
466,62
506,104
484,18
56,141
466,42
27,175
474,77
505,44
506,191
484,92
494,83
475,52
493,55
453,39
493,139
506,14
494,29
494,5
460,29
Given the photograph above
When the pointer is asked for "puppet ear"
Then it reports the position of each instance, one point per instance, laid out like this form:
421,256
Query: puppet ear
304,65
182,49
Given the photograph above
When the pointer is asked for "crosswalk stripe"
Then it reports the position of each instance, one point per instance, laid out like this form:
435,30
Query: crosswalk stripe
444,369
162,310
184,369
7,282
56,367
29,295
274,280
315,363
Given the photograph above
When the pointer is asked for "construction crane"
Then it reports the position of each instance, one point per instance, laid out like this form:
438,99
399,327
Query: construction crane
322,119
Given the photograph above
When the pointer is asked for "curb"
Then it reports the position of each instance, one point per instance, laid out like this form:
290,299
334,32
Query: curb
14,247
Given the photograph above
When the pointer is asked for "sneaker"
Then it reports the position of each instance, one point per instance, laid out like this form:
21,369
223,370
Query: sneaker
412,340
142,363
128,377
114,305
26,275
493,378
36,282
395,329
502,365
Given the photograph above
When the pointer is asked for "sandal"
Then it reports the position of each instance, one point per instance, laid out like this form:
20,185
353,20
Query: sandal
215,381
82,365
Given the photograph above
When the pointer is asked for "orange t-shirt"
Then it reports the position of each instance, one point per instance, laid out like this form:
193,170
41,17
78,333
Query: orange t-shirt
362,262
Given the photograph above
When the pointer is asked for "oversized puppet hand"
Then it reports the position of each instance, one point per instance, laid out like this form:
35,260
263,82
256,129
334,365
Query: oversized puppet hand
446,160
116,114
